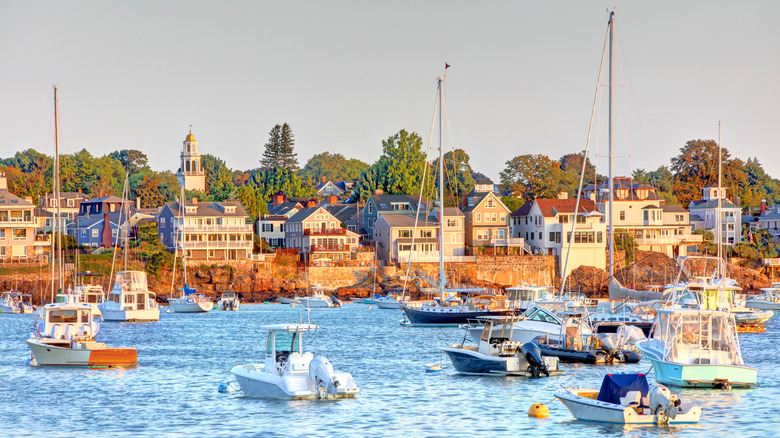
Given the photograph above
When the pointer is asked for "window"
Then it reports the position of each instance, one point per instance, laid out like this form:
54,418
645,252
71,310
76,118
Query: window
94,232
162,222
622,215
581,218
83,233
370,208
404,233
477,217
599,237
552,236
426,233
70,203
502,217
452,223
268,228
19,233
494,217
489,203
563,218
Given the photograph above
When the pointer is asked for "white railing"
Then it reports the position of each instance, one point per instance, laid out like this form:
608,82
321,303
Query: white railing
218,245
433,257
215,228
511,241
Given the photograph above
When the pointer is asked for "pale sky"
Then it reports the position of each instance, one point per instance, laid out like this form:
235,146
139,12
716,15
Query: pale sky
347,74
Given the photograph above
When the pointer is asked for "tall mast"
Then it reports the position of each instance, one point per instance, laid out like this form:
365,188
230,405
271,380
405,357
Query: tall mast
611,141
126,195
56,225
442,277
182,236
718,219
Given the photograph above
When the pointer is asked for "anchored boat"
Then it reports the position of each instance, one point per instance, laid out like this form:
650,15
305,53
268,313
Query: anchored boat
289,372
130,300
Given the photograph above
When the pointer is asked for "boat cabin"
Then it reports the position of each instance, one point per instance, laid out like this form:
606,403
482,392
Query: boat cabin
284,352
698,337
497,343
523,297
130,290
67,321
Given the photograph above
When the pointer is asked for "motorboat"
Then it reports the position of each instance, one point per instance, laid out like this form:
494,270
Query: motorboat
66,337
626,399
283,300
14,301
387,301
769,300
574,347
289,372
87,291
190,301
640,314
228,301
318,298
524,296
538,321
130,299
450,310
496,354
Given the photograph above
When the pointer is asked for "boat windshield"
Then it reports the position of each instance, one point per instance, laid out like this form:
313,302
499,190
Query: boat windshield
284,343
63,316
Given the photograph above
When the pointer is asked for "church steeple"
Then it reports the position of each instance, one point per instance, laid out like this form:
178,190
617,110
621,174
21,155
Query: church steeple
191,174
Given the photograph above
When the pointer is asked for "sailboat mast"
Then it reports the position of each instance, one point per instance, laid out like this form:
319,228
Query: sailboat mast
56,224
442,277
611,142
126,195
182,236
718,219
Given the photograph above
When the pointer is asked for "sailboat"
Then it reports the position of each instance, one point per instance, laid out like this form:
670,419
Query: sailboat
449,309
189,299
130,299
65,332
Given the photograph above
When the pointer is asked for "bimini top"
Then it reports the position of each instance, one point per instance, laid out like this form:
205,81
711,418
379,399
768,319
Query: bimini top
616,386
289,328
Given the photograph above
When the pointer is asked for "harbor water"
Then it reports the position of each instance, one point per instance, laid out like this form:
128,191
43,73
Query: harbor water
183,358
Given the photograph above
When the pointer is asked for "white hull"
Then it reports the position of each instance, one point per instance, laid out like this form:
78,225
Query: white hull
50,355
131,315
588,409
315,302
388,304
762,305
289,300
190,307
255,382
15,309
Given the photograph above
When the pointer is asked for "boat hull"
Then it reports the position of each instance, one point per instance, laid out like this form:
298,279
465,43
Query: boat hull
51,355
701,375
468,361
256,383
191,307
762,305
311,303
289,300
15,309
388,304
124,315
445,317
588,409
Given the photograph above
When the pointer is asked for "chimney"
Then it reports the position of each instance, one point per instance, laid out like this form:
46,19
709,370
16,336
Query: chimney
101,194
563,195
3,181
195,200
138,203
311,203
105,236
324,179
333,199
79,190
278,199
763,205
379,192
28,199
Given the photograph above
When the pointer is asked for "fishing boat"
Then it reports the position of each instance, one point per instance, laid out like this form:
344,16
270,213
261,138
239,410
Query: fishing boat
449,309
14,301
769,300
496,354
66,337
640,314
87,291
289,372
228,301
130,300
626,399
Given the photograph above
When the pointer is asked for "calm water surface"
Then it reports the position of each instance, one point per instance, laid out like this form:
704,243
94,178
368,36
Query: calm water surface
183,357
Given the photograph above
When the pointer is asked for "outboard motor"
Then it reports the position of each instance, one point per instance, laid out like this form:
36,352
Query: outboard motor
336,302
321,372
533,354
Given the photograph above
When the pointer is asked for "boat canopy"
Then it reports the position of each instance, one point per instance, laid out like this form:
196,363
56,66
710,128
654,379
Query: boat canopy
188,290
698,337
618,292
616,386
132,280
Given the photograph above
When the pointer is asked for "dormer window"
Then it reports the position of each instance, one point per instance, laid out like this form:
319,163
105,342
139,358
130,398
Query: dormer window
230,209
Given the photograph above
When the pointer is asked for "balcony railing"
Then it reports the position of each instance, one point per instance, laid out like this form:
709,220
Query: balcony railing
510,241
214,228
329,248
325,232
218,245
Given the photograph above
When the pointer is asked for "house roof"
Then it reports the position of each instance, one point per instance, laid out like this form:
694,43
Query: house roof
209,209
343,212
674,209
711,203
448,212
304,214
523,210
39,212
109,198
771,214
271,217
404,220
384,202
623,183
696,218
551,207
8,199
284,207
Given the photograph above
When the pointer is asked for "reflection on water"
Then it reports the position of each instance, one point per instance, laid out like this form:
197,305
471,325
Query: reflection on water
183,357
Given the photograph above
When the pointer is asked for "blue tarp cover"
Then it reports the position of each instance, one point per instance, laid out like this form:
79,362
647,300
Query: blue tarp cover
616,386
188,290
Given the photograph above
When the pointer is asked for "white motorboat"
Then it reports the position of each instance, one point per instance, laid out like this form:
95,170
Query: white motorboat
190,301
295,300
496,354
626,399
523,297
536,322
290,373
387,301
769,300
87,291
15,301
66,337
228,301
130,299
318,298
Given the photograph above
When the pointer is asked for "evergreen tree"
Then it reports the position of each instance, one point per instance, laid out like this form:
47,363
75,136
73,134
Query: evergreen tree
279,150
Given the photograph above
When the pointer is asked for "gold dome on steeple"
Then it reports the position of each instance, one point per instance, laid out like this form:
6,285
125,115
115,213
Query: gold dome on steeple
190,138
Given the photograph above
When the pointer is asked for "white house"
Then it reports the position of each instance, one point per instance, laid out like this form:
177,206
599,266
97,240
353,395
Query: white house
706,212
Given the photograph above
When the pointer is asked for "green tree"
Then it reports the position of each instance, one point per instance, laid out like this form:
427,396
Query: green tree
279,151
512,203
332,167
132,160
152,251
662,179
696,167
150,191
571,168
219,179
480,178
458,180
402,164
532,176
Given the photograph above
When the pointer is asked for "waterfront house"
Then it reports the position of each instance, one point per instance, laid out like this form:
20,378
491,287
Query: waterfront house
396,240
340,189
705,209
319,237
100,219
486,219
769,220
212,230
454,236
380,204
546,226
70,203
17,226
639,211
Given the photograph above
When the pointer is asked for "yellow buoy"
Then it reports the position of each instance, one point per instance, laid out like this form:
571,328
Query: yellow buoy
538,410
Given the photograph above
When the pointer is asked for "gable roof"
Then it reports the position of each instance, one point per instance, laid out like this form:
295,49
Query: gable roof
208,209
674,209
552,207
711,203
305,213
385,202
523,210
406,220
